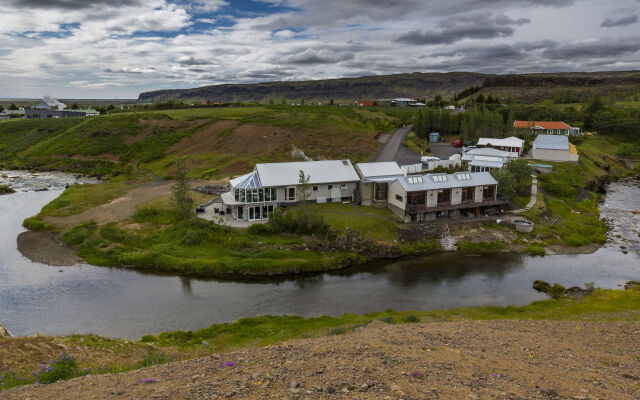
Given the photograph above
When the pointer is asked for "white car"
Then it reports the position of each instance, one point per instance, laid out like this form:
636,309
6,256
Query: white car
428,159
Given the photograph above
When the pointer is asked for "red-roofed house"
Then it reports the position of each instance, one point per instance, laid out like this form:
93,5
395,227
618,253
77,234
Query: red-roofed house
364,103
544,127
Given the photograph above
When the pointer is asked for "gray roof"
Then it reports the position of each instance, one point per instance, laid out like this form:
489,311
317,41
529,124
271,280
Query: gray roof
379,170
486,151
551,142
446,181
287,173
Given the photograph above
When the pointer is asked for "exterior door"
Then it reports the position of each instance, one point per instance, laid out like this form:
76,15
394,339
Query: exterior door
240,212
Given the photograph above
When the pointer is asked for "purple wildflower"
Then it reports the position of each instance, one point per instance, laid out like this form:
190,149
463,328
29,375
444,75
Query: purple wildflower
495,375
148,380
417,374
228,364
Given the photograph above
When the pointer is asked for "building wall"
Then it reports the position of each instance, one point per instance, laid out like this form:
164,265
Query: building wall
432,198
323,191
554,155
477,196
396,189
366,193
456,196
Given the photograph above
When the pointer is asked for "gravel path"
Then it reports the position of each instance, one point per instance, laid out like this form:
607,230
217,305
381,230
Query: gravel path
448,360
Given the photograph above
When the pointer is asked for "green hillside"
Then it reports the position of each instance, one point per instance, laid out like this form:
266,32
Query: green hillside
216,142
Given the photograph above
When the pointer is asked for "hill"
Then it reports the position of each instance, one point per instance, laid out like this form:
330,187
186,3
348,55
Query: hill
217,142
437,360
345,89
520,87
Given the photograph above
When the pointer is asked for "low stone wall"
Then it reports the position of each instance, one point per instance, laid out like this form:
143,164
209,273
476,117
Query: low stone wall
432,230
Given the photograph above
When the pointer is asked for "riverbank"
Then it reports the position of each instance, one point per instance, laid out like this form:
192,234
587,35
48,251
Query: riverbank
129,223
479,350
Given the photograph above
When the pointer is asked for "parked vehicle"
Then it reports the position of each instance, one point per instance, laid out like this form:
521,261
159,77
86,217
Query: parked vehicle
457,143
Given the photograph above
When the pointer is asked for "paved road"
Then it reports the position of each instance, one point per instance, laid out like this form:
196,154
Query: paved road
390,149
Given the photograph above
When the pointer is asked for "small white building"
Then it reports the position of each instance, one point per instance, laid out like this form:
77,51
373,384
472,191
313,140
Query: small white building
403,102
485,159
253,196
554,148
512,145
375,179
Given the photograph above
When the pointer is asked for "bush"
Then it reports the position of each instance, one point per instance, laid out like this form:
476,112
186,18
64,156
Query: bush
388,320
411,318
154,358
259,230
535,250
298,220
338,331
65,367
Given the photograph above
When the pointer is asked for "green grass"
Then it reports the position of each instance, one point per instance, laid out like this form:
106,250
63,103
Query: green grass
375,223
481,246
78,198
199,247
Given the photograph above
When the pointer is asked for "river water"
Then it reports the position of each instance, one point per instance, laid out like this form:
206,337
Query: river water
35,298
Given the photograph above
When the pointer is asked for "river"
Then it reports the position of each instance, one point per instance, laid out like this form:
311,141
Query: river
36,298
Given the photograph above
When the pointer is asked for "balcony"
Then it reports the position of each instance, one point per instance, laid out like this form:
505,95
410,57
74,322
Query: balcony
422,208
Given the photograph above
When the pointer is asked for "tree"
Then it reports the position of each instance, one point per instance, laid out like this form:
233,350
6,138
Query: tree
302,101
74,106
521,172
1,108
331,102
13,106
303,188
283,101
182,202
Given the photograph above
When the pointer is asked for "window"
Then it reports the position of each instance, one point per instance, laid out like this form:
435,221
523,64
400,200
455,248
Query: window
267,194
315,188
330,187
266,211
439,178
467,193
290,194
488,192
444,196
343,187
414,179
464,176
415,198
399,198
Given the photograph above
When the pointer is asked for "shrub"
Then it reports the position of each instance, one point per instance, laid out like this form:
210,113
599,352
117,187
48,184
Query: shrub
535,250
154,358
338,331
11,379
259,229
411,318
388,320
65,367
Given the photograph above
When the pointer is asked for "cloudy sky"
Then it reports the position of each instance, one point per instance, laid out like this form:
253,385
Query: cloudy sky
118,48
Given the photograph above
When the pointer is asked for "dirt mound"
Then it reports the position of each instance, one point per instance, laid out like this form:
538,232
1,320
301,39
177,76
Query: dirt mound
445,360
46,248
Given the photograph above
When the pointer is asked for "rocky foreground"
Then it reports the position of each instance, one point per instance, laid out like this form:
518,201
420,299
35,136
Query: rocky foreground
448,360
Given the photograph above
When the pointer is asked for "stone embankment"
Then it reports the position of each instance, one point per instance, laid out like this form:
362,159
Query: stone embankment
442,360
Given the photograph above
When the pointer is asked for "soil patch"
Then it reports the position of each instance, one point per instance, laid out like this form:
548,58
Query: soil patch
46,248
117,209
439,360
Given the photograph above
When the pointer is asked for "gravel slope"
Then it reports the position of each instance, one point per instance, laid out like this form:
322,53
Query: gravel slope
448,360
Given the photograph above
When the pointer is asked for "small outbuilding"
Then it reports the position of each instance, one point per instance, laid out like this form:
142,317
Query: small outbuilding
554,148
434,137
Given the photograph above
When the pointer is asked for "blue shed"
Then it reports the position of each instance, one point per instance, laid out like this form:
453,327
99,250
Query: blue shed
434,137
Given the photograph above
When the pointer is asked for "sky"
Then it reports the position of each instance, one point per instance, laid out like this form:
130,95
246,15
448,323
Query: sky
119,48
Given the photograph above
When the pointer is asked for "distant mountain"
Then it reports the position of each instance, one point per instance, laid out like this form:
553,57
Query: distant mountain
524,87
344,89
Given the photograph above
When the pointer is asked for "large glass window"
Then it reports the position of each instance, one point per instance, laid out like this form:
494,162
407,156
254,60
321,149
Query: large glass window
415,198
489,192
467,193
444,196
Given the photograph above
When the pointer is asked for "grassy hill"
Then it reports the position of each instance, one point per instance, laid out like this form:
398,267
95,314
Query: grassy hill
216,142
574,86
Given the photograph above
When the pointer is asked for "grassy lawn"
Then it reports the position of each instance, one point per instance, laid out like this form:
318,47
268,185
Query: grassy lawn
376,223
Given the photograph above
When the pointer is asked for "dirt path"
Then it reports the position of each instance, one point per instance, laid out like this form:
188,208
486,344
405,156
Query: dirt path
46,248
117,209
444,360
